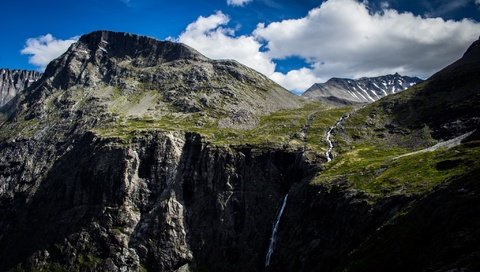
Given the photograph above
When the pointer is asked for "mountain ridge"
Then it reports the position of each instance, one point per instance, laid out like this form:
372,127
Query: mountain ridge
116,69
362,90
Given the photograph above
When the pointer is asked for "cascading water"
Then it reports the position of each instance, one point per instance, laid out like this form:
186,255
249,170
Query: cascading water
329,154
330,144
273,238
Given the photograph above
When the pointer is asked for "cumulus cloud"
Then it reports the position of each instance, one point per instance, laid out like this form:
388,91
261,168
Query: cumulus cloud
340,38
43,49
343,38
238,2
211,37
296,80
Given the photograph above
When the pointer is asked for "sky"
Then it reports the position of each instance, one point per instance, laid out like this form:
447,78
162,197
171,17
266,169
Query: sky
295,43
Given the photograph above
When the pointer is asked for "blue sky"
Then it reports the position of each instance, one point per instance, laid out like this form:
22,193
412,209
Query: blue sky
297,42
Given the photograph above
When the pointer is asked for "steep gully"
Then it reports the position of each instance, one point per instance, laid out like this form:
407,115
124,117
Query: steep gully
329,155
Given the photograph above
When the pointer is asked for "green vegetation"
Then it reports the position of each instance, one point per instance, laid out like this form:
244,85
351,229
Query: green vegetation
378,171
282,128
316,138
88,261
368,143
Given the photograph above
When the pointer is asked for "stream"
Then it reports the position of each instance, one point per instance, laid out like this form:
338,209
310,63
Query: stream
329,153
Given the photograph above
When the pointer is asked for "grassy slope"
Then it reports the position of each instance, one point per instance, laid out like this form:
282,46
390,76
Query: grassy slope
369,141
279,129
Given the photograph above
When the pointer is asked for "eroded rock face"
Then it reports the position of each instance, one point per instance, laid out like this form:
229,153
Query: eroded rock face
72,199
164,202
14,81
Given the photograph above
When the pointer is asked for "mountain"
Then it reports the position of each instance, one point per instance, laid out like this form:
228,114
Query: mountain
116,159
363,90
133,154
14,81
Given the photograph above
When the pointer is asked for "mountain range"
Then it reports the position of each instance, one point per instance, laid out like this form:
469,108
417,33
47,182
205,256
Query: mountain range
363,90
133,154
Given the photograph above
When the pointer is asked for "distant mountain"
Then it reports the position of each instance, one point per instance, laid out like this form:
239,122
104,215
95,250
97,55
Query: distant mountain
363,90
13,81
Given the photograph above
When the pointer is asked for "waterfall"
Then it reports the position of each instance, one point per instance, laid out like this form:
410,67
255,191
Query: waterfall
273,238
330,144
329,154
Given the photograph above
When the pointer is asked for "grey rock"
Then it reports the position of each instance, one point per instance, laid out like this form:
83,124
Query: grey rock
14,81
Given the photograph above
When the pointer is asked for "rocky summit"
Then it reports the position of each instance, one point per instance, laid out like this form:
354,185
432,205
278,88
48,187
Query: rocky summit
15,81
133,154
363,90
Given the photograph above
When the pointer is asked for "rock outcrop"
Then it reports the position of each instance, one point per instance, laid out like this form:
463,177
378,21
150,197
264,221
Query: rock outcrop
14,81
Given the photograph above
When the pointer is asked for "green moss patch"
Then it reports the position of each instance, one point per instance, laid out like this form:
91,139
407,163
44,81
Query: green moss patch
376,170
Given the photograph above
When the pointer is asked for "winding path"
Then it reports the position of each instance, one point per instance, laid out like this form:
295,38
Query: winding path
446,144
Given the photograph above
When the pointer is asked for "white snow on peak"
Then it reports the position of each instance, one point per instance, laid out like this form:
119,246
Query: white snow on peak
363,90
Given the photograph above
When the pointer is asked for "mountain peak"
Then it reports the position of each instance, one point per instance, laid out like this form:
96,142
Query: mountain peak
473,52
101,55
362,90
121,44
132,75
470,61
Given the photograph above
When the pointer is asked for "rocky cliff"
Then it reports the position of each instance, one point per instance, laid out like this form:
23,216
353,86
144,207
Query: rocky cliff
14,81
74,198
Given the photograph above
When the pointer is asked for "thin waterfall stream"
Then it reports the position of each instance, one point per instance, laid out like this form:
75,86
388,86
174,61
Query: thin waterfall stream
273,238
329,153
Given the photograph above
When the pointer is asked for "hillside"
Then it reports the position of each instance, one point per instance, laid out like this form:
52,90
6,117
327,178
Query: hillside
422,144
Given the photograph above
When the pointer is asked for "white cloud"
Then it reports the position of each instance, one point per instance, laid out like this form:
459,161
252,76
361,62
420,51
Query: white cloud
43,49
477,2
210,36
238,2
342,38
298,80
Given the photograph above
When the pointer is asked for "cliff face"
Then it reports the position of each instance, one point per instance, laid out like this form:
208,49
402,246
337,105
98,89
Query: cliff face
163,202
14,81
75,199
